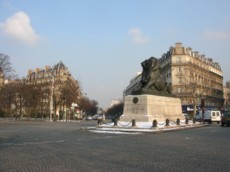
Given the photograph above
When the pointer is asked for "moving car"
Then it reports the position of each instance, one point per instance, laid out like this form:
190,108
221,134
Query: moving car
225,119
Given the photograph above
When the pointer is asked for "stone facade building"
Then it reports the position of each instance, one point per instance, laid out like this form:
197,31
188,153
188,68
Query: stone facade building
193,77
52,79
227,95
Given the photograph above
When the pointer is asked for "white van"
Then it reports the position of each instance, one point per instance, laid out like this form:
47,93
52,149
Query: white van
210,116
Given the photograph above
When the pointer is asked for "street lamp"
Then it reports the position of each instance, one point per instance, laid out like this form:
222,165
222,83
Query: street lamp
51,98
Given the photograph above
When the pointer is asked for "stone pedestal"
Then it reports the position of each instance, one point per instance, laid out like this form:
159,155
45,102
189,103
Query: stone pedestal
146,108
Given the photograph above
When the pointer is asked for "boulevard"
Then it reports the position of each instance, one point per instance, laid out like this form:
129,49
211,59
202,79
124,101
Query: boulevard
65,147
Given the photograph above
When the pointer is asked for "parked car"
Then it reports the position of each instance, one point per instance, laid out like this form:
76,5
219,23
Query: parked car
89,118
225,119
209,116
97,116
187,116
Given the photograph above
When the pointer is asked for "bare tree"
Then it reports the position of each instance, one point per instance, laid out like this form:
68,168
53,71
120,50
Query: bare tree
32,99
20,90
6,67
89,107
65,92
8,99
70,91
44,103
116,110
193,85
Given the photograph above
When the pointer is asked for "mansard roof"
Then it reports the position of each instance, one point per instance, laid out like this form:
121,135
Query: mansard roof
59,66
58,69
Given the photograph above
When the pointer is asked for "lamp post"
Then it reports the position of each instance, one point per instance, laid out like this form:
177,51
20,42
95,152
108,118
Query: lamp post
73,107
51,98
203,107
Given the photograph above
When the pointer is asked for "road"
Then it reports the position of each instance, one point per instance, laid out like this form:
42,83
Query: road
65,147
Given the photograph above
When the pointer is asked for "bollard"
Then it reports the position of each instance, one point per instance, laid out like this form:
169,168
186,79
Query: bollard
186,120
154,123
194,120
178,121
133,123
115,122
99,121
167,122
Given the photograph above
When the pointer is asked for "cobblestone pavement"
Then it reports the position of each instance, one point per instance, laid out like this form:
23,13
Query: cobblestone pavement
64,147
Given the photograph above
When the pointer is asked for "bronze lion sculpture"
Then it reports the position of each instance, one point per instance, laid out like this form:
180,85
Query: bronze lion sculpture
151,81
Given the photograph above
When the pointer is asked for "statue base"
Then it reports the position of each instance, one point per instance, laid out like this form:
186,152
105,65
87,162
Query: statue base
146,108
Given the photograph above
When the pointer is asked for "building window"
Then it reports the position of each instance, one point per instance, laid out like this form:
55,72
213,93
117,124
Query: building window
178,59
178,90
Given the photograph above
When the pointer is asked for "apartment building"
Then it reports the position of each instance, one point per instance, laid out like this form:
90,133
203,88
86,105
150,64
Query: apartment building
193,77
227,95
56,96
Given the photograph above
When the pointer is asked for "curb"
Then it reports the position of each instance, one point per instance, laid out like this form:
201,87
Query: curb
135,130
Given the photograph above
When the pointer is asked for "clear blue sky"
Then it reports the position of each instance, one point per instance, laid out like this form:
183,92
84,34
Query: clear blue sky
103,42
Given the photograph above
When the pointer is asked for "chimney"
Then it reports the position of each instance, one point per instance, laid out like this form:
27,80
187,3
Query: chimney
30,71
47,68
178,44
37,70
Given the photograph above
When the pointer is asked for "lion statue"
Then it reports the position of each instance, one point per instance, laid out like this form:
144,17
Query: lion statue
151,81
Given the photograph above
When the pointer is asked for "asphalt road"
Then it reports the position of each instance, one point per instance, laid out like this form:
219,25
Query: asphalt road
64,147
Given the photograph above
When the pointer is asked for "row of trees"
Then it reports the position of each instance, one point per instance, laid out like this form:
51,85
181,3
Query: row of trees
25,98
20,99
115,111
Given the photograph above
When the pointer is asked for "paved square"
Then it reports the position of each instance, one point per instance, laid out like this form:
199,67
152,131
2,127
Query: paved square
61,146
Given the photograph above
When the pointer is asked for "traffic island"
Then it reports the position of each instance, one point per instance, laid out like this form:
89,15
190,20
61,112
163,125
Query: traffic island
133,127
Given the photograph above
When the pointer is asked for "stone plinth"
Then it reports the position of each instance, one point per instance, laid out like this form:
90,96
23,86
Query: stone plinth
146,108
